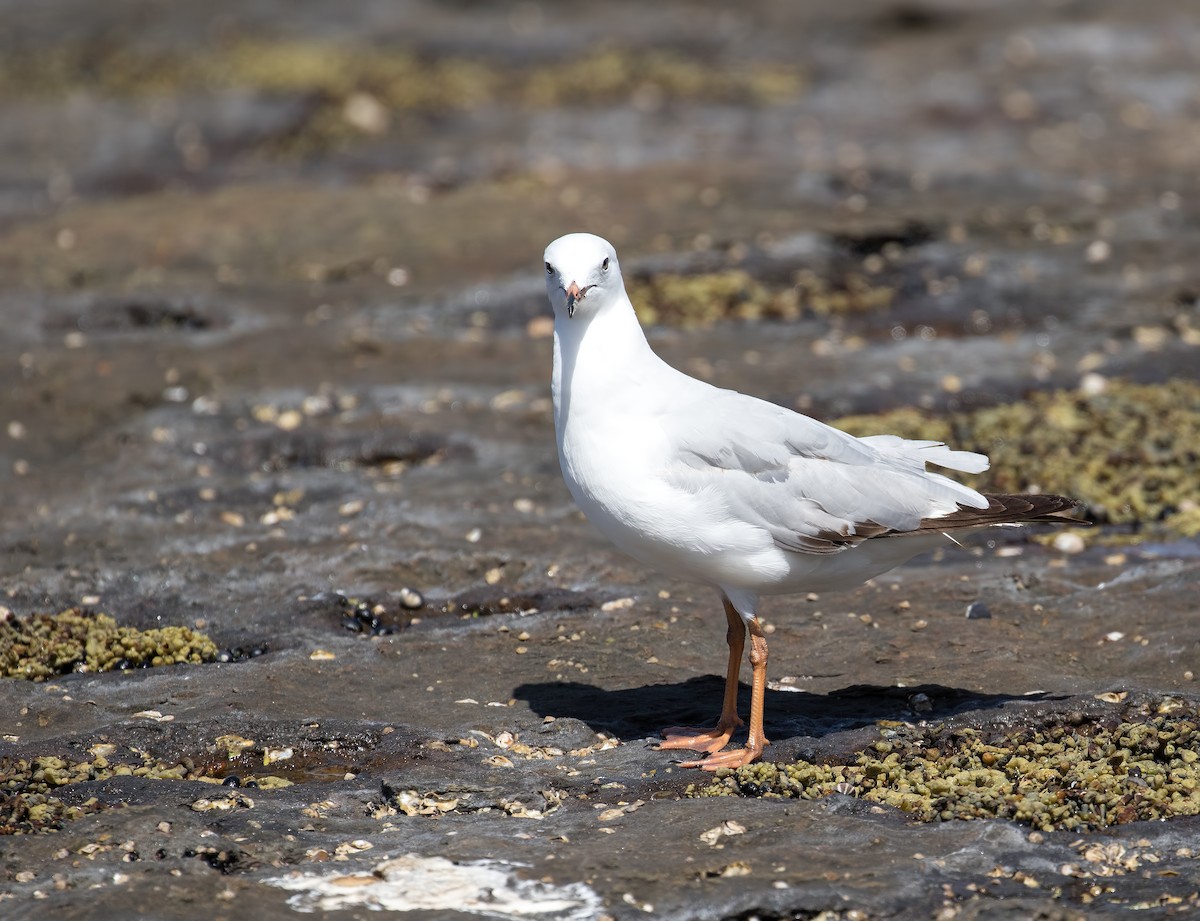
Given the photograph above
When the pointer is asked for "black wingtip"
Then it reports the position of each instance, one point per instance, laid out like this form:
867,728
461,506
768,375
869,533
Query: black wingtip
1009,509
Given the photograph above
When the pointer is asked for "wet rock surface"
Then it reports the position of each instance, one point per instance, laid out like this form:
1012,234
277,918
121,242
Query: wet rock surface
275,367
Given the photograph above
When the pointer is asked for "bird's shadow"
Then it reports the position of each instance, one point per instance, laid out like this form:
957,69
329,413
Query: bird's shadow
799,717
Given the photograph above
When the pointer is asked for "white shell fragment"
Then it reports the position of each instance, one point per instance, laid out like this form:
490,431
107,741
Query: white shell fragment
415,883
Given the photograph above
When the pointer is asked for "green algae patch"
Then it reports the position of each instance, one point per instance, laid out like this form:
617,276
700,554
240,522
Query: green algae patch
403,79
650,76
23,814
1060,775
1130,452
42,646
700,300
352,91
28,802
692,301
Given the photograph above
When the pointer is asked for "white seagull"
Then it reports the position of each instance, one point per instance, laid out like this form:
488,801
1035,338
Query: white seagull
718,487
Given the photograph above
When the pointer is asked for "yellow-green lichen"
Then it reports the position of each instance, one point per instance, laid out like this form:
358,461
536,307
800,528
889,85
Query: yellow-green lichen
21,814
700,300
1130,451
614,75
44,645
852,293
28,785
1055,776
400,78
355,89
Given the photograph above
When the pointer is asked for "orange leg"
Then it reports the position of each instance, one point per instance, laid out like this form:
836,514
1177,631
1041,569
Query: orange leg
711,740
756,740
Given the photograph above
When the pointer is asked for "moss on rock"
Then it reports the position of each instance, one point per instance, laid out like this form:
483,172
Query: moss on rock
701,300
28,785
25,813
1130,451
402,78
691,301
356,90
1054,776
44,645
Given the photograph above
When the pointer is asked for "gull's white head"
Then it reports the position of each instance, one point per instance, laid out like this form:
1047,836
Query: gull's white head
582,274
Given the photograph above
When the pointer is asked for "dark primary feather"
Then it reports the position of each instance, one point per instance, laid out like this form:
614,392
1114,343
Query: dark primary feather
1006,510
1001,510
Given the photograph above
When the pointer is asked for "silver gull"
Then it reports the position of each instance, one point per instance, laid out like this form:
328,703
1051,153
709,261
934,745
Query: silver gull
721,488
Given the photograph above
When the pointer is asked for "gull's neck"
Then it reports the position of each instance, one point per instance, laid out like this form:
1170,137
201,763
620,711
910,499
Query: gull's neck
596,354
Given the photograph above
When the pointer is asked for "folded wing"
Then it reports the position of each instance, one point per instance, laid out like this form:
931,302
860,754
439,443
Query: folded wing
814,488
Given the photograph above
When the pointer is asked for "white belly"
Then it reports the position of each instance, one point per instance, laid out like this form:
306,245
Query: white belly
625,495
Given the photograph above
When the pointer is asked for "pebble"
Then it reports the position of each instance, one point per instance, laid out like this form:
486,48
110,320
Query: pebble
1068,542
242,653
977,610
290,420
153,715
1098,251
617,604
920,703
270,756
410,598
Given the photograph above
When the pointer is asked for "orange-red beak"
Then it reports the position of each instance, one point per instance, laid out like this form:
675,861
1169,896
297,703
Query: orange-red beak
573,295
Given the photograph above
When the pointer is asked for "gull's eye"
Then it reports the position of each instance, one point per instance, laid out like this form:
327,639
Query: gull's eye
549,269
604,264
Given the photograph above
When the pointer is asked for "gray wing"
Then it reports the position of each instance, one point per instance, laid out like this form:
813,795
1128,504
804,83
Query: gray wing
813,487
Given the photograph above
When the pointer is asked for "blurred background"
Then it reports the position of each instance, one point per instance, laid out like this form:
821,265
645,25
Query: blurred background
262,262
274,396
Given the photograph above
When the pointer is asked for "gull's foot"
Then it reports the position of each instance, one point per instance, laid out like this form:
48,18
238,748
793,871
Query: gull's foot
734,758
699,740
